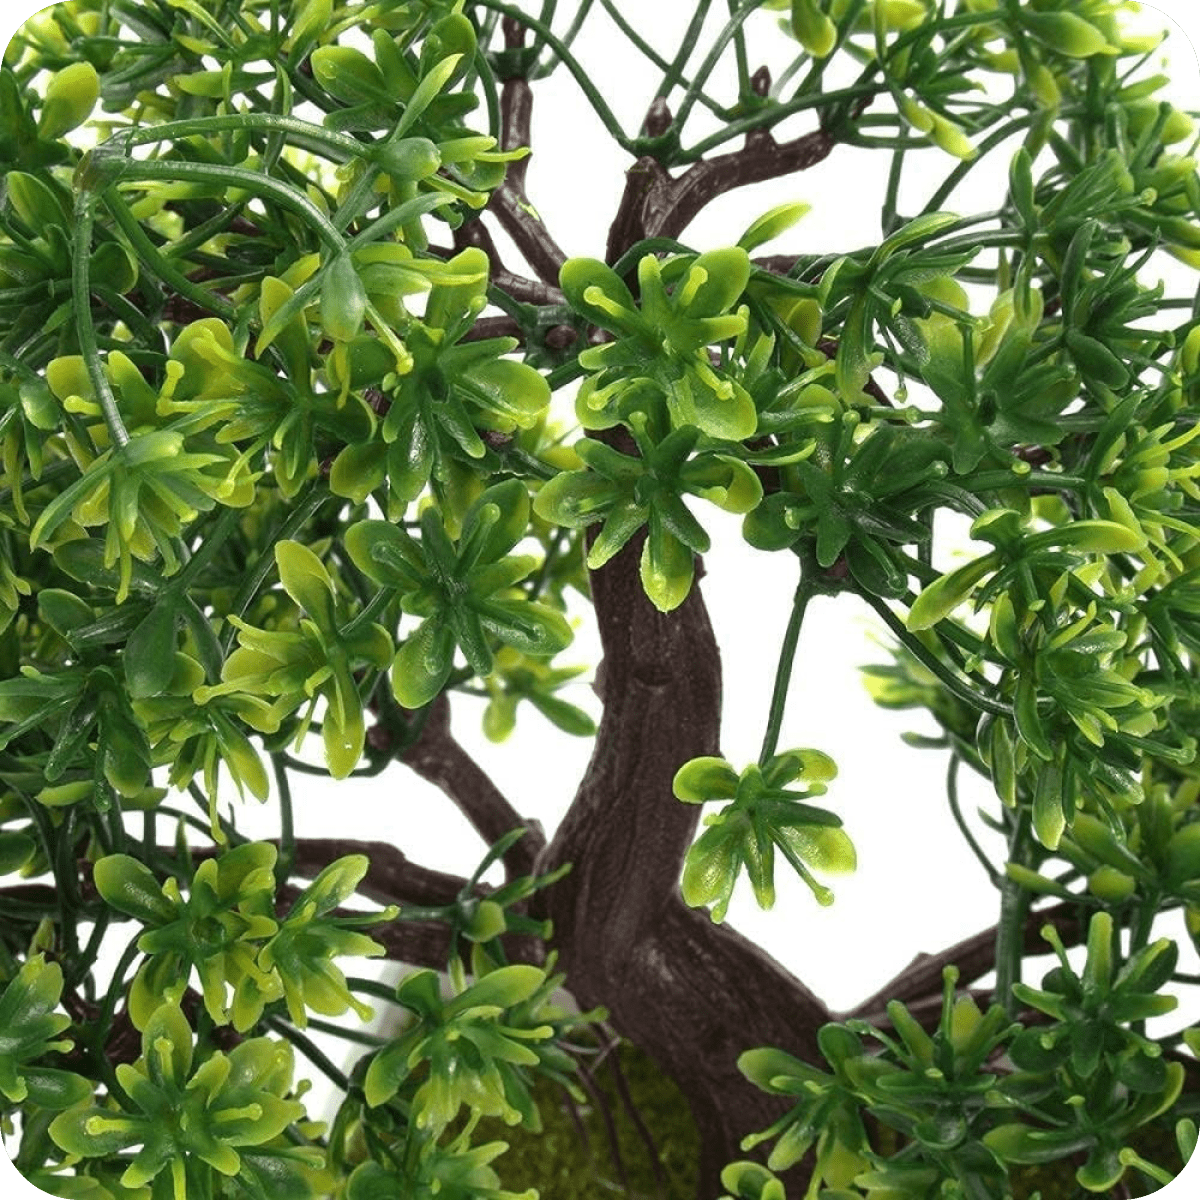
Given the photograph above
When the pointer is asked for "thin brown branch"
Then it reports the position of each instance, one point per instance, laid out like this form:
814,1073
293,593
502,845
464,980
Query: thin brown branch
762,158
974,957
493,327
439,759
509,201
655,204
391,878
528,291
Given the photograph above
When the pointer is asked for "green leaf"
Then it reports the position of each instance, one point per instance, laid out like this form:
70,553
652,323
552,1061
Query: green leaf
598,292
348,74
773,1070
703,779
149,656
423,664
947,592
772,224
132,889
426,91
1067,33
575,499
1102,1171
567,717
505,987
306,580
69,99
334,885
818,35
499,519
722,276
55,1090
16,849
711,867
667,568
343,300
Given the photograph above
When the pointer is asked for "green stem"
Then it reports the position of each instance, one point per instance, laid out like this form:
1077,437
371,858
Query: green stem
674,72
85,328
266,122
739,46
1010,932
212,541
594,96
958,687
254,182
371,987
996,138
736,20
959,820
158,264
287,827
350,1035
374,607
773,116
309,1049
115,990
541,70
783,671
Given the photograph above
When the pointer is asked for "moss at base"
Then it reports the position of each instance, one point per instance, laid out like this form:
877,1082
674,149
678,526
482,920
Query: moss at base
564,1164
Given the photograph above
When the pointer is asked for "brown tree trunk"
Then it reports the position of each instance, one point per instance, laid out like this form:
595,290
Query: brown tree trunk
691,994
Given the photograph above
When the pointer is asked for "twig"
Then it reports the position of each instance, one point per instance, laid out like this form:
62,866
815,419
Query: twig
529,291
491,327
610,1126
509,201
656,205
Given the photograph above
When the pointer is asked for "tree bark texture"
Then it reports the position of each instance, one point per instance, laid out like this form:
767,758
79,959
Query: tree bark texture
691,994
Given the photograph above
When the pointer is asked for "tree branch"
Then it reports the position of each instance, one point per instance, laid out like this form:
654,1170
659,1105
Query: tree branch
439,759
974,956
392,877
491,327
509,201
657,205
529,291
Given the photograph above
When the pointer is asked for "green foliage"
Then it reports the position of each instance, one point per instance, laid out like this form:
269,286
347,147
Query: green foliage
1083,1084
29,1029
227,931
764,812
463,590
313,662
224,1114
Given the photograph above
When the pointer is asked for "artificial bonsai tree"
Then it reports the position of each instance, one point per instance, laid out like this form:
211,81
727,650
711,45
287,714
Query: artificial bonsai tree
293,457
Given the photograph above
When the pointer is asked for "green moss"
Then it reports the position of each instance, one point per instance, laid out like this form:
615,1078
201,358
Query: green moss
563,1165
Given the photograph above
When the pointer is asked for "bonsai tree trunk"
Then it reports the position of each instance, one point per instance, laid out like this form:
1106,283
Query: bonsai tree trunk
690,993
